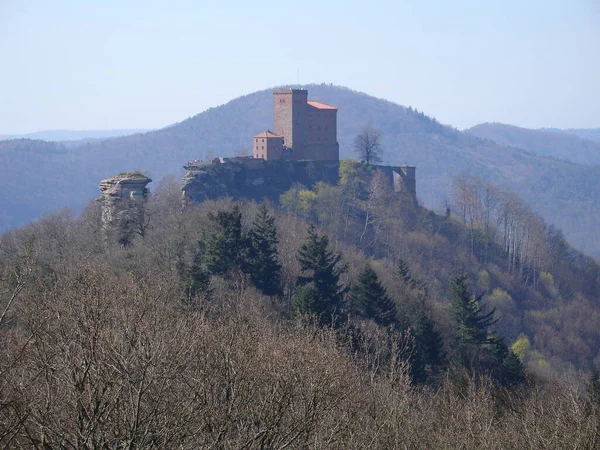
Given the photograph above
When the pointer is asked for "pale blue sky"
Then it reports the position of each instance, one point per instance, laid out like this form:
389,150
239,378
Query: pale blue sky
94,64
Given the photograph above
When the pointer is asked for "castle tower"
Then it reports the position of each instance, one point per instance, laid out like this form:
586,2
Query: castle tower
321,141
290,119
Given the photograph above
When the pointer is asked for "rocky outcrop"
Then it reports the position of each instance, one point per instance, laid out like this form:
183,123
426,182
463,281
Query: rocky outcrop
256,179
252,178
122,198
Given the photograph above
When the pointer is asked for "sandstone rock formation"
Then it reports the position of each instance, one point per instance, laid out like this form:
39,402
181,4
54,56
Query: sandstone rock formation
123,197
256,178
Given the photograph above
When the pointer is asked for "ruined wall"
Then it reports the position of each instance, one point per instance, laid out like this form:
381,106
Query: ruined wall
405,179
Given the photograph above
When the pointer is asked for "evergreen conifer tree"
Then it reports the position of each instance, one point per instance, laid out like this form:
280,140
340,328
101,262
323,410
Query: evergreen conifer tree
403,272
471,322
370,299
226,246
428,357
502,363
306,301
265,269
322,269
195,280
476,347
512,369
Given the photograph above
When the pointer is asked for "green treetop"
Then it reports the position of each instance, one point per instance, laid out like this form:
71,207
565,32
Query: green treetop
321,293
370,299
265,269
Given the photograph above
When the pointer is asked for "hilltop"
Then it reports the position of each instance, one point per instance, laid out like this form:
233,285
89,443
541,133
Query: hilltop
564,193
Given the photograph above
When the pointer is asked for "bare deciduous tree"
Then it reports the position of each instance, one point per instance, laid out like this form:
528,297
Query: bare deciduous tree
367,145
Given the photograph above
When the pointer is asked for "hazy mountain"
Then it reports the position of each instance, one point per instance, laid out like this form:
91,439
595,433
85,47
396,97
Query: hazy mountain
546,142
39,176
71,135
593,134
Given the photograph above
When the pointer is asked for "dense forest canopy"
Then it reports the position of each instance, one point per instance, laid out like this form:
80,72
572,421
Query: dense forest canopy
343,316
566,194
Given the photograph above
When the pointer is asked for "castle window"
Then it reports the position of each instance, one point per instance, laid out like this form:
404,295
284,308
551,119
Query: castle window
262,147
263,140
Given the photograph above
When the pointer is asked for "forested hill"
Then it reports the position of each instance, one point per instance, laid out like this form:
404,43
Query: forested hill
549,142
565,193
593,134
71,135
339,319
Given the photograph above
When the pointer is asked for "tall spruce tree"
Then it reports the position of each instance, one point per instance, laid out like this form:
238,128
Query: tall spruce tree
321,293
226,245
471,322
265,269
195,280
476,347
403,272
428,357
370,300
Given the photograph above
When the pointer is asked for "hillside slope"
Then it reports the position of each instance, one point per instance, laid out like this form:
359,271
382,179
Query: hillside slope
565,194
553,143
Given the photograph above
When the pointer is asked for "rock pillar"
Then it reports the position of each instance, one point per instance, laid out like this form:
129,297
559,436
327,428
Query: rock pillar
122,198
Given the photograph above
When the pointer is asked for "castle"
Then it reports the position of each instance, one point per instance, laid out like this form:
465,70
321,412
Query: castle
301,151
303,129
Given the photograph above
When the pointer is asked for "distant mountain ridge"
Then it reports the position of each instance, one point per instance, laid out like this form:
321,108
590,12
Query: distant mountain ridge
72,135
38,176
545,142
593,134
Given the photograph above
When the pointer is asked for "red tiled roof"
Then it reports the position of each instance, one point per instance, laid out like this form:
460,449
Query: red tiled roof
267,134
320,105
